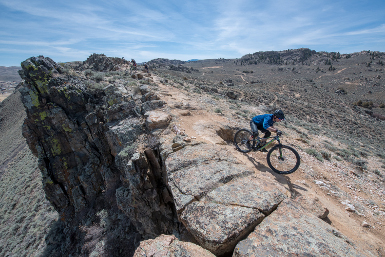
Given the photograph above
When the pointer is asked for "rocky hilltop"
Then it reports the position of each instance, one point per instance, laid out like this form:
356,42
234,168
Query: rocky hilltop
141,164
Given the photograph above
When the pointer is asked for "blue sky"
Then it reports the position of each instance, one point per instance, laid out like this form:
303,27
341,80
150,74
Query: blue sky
190,29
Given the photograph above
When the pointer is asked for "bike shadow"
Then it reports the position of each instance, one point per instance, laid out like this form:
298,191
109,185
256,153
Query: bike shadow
284,180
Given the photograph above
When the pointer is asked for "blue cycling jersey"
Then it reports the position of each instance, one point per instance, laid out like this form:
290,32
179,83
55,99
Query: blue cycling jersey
266,120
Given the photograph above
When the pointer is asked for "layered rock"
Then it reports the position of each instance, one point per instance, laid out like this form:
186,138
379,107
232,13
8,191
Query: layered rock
291,231
87,140
218,199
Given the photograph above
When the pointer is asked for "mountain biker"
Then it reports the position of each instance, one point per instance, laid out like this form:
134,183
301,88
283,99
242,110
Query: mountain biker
133,64
264,123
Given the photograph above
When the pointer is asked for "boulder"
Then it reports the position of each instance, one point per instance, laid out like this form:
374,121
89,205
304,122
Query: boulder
218,227
169,246
157,119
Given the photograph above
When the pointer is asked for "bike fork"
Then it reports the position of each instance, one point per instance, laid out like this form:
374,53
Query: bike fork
280,153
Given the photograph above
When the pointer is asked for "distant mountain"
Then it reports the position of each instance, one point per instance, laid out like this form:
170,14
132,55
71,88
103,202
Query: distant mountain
9,73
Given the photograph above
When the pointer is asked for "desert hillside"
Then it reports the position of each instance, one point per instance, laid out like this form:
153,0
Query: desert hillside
161,121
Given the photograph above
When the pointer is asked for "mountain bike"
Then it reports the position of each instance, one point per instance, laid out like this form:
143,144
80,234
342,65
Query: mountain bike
281,158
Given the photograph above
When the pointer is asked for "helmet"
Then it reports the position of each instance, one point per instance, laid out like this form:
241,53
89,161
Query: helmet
279,114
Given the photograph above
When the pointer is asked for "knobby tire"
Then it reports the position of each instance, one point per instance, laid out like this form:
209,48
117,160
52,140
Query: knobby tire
286,165
242,140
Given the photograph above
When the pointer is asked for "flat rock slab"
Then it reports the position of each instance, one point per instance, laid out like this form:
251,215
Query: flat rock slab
219,227
170,246
291,231
198,154
200,179
251,192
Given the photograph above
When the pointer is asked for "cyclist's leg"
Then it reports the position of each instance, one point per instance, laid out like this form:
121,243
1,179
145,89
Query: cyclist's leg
253,127
267,133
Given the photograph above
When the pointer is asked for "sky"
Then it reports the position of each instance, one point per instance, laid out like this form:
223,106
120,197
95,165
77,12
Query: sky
183,30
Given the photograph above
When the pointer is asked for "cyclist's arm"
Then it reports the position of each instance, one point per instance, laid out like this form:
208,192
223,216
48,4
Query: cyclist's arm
272,129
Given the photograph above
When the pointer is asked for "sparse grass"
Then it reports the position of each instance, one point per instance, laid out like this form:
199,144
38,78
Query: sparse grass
26,216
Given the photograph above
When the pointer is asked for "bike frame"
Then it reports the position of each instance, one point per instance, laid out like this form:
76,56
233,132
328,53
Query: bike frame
276,138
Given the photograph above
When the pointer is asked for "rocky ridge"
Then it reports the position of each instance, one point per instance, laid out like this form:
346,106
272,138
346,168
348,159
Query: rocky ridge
111,155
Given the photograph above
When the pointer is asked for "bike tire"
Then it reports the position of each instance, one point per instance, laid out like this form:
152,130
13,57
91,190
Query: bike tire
290,159
242,140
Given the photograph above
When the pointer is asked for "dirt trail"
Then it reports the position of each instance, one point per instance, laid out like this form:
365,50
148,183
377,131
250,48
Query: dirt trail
196,118
332,73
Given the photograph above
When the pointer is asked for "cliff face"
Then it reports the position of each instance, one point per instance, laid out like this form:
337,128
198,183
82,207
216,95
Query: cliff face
86,141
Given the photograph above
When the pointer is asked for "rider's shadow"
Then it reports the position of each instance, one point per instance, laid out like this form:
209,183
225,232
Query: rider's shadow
280,178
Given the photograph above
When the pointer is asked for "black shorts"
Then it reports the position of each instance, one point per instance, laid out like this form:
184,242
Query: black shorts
258,127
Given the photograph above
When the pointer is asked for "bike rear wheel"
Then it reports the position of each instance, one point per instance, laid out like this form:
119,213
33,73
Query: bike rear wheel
283,159
242,140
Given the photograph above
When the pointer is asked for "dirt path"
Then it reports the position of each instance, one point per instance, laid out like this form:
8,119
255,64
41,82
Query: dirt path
332,74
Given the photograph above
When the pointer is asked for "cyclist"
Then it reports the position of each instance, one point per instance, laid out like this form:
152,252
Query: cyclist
133,64
264,123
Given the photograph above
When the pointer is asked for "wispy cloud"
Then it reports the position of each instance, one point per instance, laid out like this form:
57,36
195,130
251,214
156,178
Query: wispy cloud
184,29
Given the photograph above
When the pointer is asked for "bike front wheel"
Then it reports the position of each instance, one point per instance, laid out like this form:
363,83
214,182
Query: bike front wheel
283,159
242,140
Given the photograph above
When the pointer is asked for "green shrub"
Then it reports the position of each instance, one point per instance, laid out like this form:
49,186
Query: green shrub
314,153
99,76
361,164
131,84
88,73
325,155
367,104
244,115
337,158
218,111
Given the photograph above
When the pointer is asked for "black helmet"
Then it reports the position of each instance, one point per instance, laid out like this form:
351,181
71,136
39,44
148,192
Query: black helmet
279,114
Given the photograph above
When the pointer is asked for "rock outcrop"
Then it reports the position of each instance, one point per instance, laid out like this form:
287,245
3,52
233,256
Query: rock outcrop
87,140
100,62
217,198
